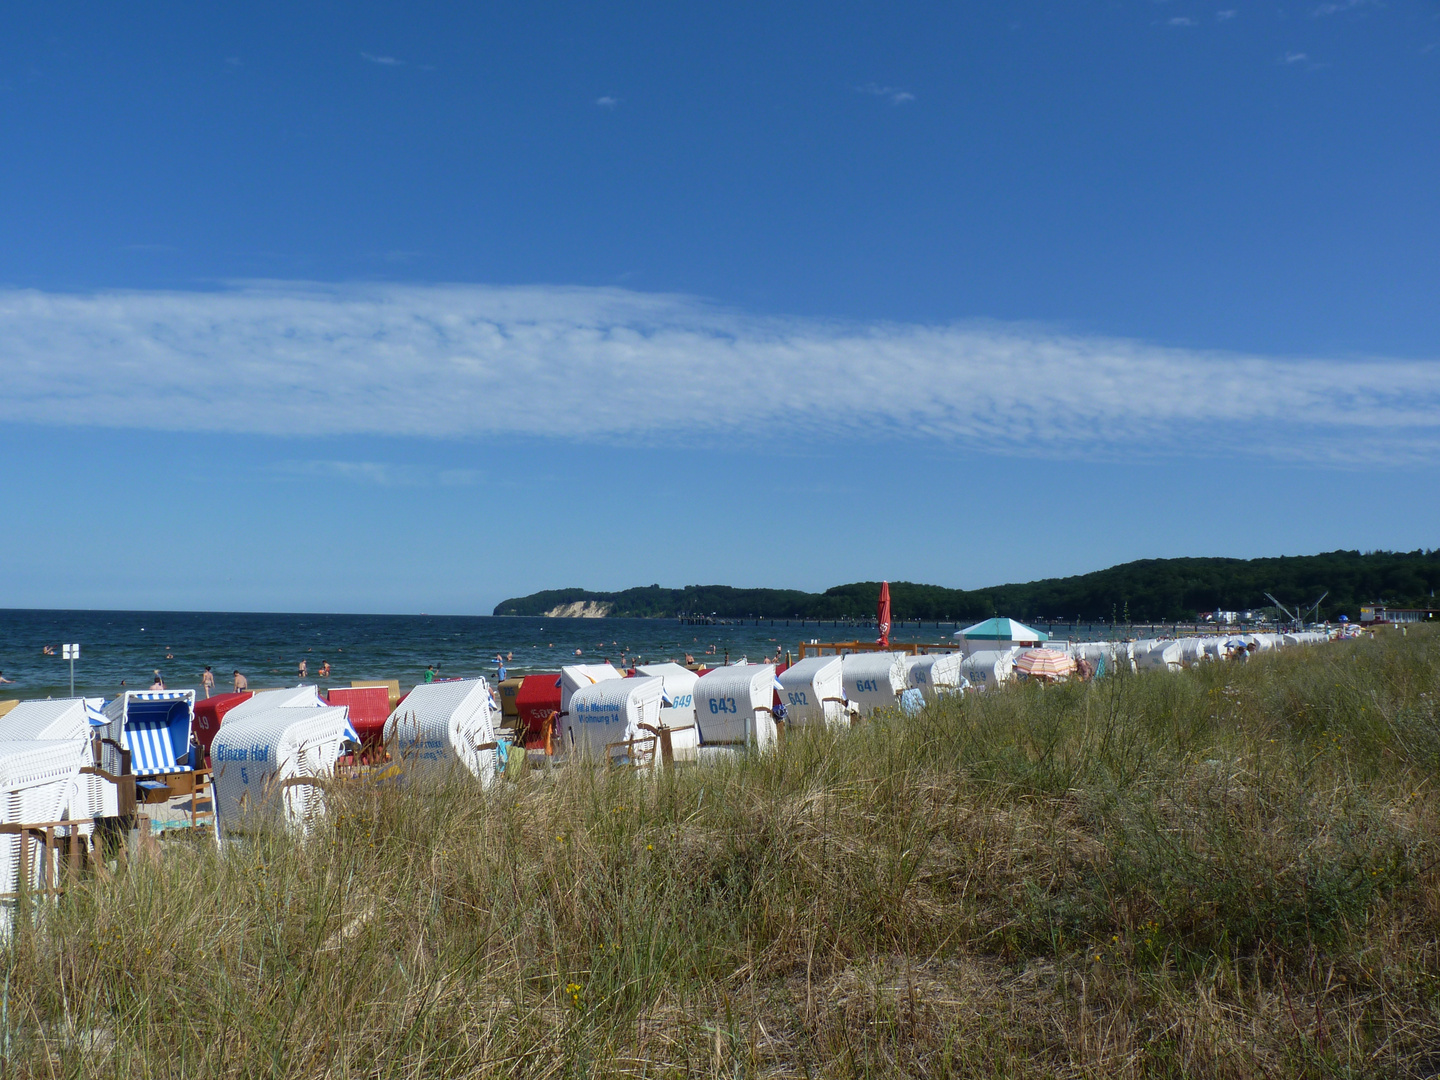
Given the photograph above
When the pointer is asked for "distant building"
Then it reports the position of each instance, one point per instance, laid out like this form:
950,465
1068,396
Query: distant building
1379,613
1229,618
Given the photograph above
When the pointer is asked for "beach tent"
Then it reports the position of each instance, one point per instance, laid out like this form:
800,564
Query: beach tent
732,706
70,719
873,680
607,713
679,714
37,780
935,674
210,714
989,669
574,676
441,724
999,633
254,755
813,692
537,697
154,725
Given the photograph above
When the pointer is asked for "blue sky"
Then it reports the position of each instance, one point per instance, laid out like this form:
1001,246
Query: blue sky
413,308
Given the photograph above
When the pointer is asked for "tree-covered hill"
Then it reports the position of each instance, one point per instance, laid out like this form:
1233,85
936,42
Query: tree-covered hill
1150,589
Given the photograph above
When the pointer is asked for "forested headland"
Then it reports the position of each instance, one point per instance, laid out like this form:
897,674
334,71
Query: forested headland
1148,590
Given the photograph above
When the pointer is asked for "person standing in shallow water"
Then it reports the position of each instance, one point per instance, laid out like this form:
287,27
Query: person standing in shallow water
304,668
241,683
207,681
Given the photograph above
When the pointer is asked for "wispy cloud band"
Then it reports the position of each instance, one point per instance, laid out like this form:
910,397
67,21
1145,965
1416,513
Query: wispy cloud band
611,364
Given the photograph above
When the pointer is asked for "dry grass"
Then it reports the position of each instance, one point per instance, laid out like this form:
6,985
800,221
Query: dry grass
1229,872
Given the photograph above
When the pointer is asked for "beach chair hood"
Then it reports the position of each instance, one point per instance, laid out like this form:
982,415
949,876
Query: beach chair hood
935,674
989,669
813,692
37,779
873,680
679,715
733,706
574,676
253,756
444,725
610,712
154,725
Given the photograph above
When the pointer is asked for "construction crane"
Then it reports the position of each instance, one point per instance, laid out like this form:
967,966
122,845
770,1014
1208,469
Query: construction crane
1298,615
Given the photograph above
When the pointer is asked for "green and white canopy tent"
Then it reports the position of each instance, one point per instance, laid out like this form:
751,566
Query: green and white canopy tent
1000,633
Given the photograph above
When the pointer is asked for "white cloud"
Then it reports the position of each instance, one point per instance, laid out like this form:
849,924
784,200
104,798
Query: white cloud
1334,7
894,94
1296,57
609,101
598,365
1225,16
386,61
1183,20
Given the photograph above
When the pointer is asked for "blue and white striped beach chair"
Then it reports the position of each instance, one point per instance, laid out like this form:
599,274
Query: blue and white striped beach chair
154,726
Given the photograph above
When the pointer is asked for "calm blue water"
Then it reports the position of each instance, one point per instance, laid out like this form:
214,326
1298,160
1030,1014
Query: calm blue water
131,645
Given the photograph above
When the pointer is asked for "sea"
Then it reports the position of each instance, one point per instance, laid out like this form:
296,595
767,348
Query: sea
122,650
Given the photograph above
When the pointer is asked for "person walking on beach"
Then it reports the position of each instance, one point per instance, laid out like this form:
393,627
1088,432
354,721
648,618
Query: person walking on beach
207,681
430,673
241,683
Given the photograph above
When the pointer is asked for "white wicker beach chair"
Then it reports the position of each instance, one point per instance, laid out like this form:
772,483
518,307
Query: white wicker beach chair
873,680
255,759
37,778
813,692
446,724
935,674
733,706
679,714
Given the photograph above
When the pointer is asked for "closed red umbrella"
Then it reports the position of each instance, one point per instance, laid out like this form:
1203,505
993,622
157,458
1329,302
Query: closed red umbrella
882,613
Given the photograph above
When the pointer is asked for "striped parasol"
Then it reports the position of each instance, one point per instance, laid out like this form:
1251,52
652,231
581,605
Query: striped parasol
1045,663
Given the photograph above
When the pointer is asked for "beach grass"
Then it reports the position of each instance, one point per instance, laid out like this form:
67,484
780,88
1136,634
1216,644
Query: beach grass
1230,871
